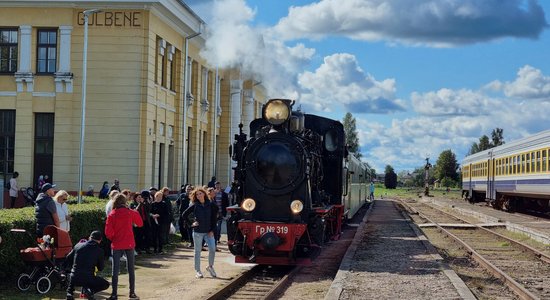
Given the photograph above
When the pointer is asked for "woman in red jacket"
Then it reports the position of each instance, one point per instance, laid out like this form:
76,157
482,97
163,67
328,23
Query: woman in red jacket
119,229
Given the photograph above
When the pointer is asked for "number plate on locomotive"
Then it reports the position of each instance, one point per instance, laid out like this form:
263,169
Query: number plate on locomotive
263,228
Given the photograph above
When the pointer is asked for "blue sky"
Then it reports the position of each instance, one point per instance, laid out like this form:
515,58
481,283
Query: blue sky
419,76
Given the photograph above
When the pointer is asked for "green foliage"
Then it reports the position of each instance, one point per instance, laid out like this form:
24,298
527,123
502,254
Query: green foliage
86,218
390,180
446,166
352,140
448,182
497,139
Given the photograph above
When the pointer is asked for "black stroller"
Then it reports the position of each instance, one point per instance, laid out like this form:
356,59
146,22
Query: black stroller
30,196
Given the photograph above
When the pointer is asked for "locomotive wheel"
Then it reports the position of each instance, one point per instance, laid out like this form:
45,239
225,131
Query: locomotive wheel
24,282
43,285
318,231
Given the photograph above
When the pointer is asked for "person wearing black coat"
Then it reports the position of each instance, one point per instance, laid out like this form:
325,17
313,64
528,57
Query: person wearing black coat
222,201
142,234
159,215
183,203
204,225
84,259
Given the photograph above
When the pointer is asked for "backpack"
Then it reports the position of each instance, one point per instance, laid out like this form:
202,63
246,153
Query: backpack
8,185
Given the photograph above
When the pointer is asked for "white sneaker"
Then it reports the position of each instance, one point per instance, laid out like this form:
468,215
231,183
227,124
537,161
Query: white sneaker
210,270
199,274
123,258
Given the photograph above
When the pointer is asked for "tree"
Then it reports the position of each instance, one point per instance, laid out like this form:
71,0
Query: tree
390,180
446,166
497,137
484,143
372,173
350,130
473,149
420,175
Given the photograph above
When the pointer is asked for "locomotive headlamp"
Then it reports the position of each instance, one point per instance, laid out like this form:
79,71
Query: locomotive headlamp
296,206
276,112
248,204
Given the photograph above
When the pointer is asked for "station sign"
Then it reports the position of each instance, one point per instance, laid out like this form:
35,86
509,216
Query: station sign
120,18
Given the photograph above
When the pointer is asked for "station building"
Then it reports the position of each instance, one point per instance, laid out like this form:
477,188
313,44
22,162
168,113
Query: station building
145,124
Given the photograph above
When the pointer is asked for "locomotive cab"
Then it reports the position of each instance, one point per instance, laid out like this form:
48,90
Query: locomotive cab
289,185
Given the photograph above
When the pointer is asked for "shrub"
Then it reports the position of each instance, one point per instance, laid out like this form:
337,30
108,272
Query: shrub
86,218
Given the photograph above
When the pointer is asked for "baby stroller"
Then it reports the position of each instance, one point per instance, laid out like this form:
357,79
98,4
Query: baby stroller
46,260
30,196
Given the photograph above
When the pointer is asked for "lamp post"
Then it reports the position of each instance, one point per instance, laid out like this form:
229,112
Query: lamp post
87,13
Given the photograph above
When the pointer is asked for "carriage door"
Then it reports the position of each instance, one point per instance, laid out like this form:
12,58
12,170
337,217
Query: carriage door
490,194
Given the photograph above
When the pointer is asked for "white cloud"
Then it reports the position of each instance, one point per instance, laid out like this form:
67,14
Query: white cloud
530,83
450,102
340,80
425,22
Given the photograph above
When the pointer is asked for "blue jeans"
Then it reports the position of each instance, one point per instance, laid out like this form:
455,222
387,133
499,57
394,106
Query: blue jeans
198,237
130,260
218,232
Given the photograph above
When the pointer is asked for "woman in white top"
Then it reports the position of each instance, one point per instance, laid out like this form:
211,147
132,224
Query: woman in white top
14,189
63,210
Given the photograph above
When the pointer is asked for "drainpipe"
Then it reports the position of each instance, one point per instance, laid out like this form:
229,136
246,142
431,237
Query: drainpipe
216,105
184,126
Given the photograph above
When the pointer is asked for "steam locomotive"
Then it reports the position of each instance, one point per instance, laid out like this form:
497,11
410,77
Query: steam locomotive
294,186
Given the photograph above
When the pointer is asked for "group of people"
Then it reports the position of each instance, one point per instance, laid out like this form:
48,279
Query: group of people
13,186
136,221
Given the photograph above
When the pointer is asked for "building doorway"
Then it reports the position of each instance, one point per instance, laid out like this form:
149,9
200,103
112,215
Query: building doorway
43,146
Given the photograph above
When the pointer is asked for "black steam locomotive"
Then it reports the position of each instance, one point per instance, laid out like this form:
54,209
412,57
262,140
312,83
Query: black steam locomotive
289,183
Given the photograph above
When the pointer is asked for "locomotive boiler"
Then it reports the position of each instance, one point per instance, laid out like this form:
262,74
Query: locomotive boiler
290,177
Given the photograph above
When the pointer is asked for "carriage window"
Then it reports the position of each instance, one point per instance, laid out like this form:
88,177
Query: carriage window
538,161
544,160
331,140
529,160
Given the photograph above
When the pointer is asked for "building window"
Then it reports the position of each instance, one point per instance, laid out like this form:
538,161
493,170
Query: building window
160,62
173,70
8,50
46,61
161,129
7,143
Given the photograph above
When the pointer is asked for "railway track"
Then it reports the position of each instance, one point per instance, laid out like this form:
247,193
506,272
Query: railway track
523,269
260,282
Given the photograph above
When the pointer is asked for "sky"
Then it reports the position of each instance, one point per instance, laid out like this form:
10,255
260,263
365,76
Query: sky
419,77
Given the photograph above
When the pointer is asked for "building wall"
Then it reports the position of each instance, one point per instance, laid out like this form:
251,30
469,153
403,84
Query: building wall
130,113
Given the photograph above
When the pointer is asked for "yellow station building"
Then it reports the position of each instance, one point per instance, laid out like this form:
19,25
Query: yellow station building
136,96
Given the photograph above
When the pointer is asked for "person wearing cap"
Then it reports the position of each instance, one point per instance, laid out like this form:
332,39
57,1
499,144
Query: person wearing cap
84,259
45,209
